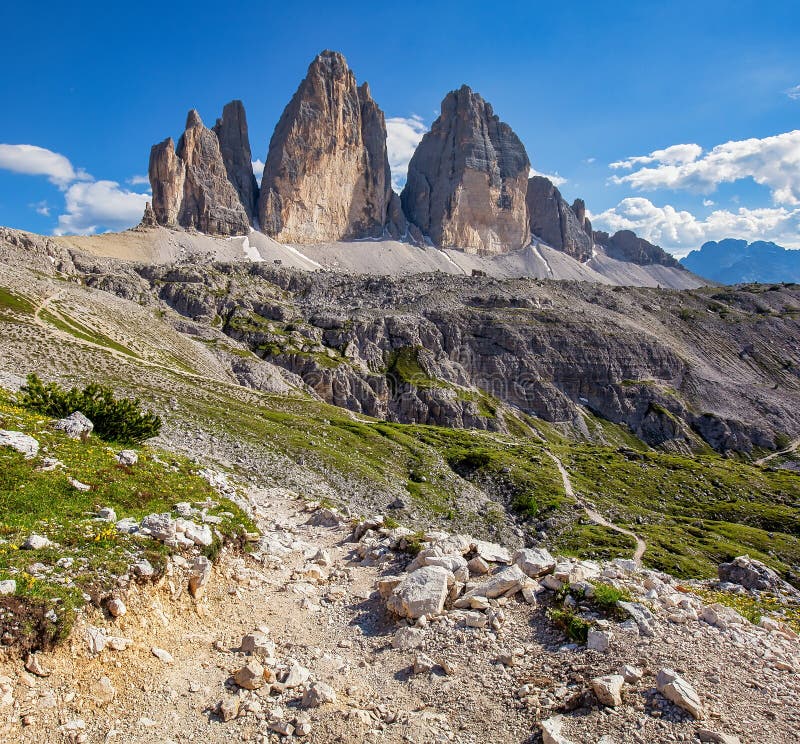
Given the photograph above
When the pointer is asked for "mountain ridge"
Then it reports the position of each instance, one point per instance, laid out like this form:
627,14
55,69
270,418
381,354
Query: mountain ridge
327,178
735,261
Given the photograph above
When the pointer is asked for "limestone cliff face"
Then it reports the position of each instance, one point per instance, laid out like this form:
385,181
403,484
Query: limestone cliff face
167,175
467,179
327,176
556,223
191,187
234,145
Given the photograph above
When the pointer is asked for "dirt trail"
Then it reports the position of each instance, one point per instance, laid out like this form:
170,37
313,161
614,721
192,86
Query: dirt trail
791,448
596,517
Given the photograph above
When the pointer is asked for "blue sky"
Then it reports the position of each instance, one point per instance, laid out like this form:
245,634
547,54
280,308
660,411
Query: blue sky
584,85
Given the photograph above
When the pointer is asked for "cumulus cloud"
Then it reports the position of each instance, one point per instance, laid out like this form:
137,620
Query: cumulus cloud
258,169
554,178
39,161
794,92
402,137
674,155
679,231
90,205
772,161
93,205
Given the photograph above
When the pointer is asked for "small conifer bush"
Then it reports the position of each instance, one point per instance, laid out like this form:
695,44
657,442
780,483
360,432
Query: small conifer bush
119,420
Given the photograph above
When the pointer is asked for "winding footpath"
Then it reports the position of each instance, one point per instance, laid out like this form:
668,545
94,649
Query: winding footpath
595,516
791,448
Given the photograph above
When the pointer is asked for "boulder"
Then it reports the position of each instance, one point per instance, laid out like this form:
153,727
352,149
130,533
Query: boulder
753,574
506,581
159,526
407,638
22,443
608,689
318,694
327,177
250,676
551,731
75,426
598,640
127,458
535,562
36,542
492,552
8,586
678,691
715,737
467,179
422,592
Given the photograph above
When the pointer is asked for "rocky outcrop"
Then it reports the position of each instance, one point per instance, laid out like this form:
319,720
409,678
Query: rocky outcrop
327,173
579,208
554,222
626,245
234,145
191,187
467,179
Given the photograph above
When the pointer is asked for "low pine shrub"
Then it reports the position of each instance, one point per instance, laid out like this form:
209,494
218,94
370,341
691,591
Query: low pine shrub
119,420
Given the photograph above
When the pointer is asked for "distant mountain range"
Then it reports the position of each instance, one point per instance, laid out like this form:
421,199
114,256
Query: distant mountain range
732,261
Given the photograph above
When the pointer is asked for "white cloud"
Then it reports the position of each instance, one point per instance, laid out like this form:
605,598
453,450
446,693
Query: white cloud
41,207
402,137
258,169
554,178
138,181
90,205
679,231
773,162
589,161
38,161
99,204
674,155
794,92
708,203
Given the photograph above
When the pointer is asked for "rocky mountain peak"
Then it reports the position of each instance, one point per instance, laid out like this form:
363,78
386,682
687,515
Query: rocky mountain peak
193,119
553,221
467,179
192,187
327,172
234,144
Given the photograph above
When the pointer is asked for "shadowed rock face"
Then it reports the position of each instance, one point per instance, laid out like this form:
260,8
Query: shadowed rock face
327,172
467,179
556,223
234,145
191,187
625,245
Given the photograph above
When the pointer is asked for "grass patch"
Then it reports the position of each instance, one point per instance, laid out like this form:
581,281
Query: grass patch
573,626
88,554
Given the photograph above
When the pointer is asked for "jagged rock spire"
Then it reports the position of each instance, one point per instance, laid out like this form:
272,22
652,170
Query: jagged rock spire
467,179
327,176
191,186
